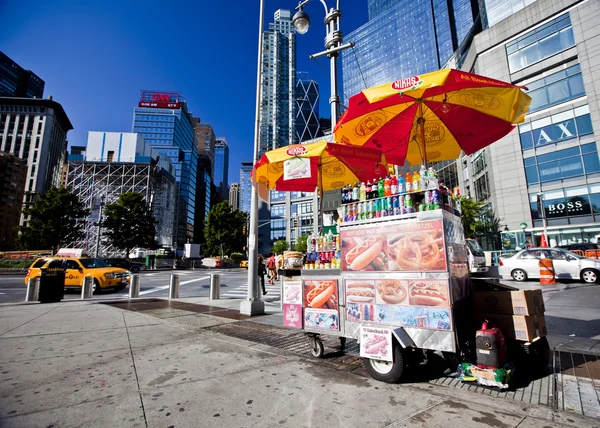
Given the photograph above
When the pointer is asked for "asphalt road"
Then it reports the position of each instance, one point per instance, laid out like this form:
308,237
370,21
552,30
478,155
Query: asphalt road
193,283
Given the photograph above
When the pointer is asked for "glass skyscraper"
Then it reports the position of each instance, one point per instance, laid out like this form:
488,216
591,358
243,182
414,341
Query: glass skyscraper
245,186
165,123
221,174
307,112
278,81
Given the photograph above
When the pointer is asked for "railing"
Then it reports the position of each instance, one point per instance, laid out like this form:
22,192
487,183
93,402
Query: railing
592,254
497,254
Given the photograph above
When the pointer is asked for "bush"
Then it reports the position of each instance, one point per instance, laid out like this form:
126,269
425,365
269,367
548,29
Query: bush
237,257
15,264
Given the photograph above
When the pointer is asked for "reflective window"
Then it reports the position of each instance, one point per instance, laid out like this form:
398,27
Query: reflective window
556,88
562,164
558,127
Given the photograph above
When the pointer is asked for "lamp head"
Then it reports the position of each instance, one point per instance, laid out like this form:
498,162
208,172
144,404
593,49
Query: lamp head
301,21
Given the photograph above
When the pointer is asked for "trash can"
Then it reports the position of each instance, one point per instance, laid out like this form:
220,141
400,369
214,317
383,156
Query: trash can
52,282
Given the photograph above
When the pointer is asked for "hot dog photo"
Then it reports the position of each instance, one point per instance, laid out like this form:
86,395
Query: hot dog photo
321,294
428,292
360,291
364,254
376,343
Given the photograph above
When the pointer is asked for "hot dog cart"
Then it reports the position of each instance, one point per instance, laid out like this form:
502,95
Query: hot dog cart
403,287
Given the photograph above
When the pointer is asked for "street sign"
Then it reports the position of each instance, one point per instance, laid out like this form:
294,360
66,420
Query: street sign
523,225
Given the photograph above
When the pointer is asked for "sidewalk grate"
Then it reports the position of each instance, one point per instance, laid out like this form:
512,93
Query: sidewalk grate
577,382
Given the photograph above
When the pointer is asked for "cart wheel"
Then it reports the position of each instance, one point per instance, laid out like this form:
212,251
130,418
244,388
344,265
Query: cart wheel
316,347
386,371
342,342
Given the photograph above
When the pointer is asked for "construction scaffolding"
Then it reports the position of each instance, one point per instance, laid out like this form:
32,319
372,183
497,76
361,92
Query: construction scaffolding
100,183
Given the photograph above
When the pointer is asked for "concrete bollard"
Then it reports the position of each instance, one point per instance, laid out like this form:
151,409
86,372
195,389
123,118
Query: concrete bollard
87,287
134,286
174,287
33,290
215,286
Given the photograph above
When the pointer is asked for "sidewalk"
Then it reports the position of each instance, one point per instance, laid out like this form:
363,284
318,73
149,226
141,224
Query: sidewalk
76,364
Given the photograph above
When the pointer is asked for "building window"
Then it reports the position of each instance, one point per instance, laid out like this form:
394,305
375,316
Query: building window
277,211
482,188
479,164
536,45
110,156
571,162
556,88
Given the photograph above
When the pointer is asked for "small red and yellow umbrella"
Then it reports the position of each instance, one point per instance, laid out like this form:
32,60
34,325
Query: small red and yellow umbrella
432,117
322,165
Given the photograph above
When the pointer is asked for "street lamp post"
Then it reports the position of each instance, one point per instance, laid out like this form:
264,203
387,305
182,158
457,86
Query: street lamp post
542,211
98,232
253,305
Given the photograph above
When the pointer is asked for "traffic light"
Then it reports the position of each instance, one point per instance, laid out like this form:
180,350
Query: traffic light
295,222
244,229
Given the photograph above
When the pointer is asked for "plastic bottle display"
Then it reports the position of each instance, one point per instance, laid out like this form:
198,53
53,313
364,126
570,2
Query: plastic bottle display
355,193
416,182
368,190
380,189
387,186
362,192
408,182
394,185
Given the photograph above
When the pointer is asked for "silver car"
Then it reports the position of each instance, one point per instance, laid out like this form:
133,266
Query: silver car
524,265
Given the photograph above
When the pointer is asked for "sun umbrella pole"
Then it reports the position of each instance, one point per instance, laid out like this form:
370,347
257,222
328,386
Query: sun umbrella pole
421,124
320,225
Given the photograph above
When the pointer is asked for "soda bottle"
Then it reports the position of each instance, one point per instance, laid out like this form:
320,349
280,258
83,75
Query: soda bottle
383,207
396,205
368,189
408,204
408,182
355,193
423,178
374,189
402,204
376,208
380,188
369,209
394,185
363,192
416,182
401,186
387,186
344,195
361,211
390,206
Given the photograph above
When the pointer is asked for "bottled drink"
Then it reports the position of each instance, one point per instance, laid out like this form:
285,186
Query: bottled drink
380,188
408,182
376,208
344,195
416,182
363,192
361,211
369,212
423,177
387,186
394,185
390,206
401,186
355,193
368,189
396,205
374,189
383,208
408,204
402,205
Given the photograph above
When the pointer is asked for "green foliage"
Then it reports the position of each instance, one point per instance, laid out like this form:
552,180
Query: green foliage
302,244
471,216
224,226
129,223
237,257
55,220
280,246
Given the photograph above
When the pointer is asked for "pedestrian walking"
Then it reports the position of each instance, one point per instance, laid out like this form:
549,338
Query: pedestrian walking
279,263
271,266
262,270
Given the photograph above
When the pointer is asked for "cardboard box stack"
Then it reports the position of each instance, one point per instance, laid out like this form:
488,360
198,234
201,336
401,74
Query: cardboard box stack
519,314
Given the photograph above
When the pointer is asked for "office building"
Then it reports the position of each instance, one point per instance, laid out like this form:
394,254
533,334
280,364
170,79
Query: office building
35,130
276,123
118,162
18,82
204,196
550,47
494,11
12,189
234,196
205,140
221,169
406,38
307,110
163,120
245,186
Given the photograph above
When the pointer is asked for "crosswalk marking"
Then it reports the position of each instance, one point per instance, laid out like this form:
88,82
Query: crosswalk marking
241,292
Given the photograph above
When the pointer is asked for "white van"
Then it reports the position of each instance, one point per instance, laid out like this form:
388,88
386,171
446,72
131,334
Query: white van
476,257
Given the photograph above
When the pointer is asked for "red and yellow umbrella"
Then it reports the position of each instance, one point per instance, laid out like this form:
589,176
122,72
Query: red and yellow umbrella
322,165
432,117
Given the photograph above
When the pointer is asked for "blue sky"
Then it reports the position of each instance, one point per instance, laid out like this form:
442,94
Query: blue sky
96,57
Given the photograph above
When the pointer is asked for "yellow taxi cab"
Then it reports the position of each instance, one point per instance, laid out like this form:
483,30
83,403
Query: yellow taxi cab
76,268
244,263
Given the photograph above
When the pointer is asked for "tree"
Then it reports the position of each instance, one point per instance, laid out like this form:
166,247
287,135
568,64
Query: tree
224,226
129,223
471,216
55,219
302,244
280,246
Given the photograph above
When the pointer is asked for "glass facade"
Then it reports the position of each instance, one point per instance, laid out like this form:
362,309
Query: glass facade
245,187
171,133
221,174
307,110
498,10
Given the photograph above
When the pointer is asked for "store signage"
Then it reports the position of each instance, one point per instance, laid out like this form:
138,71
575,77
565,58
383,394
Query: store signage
160,100
564,207
555,132
408,83
297,150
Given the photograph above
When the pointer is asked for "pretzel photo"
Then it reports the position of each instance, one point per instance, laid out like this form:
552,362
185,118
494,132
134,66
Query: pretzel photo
322,295
426,293
417,250
364,253
391,291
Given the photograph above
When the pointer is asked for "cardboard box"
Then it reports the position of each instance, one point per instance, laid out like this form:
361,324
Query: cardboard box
519,327
528,302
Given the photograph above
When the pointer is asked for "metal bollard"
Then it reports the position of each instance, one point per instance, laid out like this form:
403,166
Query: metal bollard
87,287
174,287
33,289
215,286
134,286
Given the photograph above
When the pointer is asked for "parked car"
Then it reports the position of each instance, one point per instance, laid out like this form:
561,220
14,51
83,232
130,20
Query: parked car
524,265
130,265
76,268
244,264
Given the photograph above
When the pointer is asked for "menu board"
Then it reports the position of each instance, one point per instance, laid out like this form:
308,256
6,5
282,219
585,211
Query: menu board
376,343
420,303
321,304
402,247
292,303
